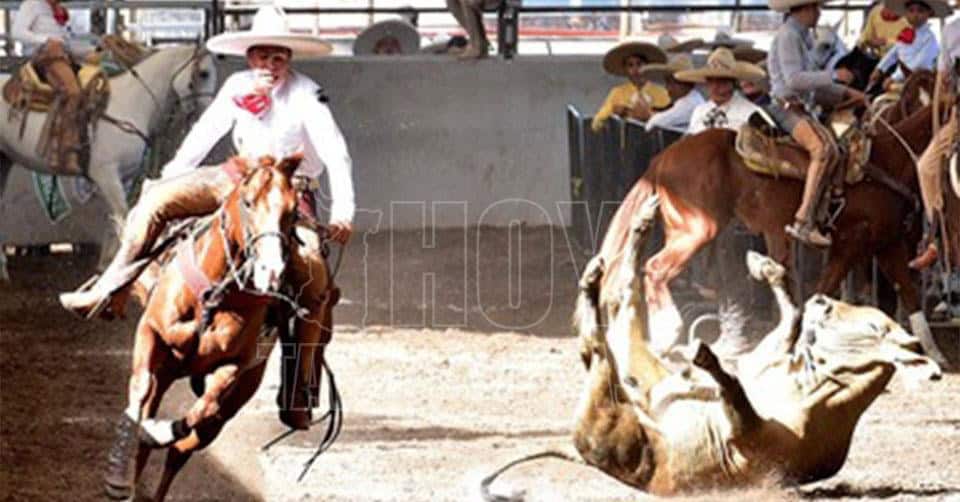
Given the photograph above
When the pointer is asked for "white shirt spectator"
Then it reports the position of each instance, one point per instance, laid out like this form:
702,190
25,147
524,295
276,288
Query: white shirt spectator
677,117
296,121
730,115
919,54
34,23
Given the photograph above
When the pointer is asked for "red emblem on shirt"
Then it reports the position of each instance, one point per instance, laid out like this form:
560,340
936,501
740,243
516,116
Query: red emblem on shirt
256,104
907,36
61,15
888,15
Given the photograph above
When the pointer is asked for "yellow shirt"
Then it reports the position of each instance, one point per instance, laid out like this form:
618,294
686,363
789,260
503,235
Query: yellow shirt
877,27
626,94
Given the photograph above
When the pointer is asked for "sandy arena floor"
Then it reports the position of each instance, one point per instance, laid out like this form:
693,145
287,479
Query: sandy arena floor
439,388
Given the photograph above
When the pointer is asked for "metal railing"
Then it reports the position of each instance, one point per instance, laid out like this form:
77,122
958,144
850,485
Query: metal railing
106,13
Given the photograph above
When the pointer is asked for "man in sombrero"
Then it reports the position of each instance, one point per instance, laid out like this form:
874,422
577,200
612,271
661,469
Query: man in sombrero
638,98
685,98
795,81
272,110
725,108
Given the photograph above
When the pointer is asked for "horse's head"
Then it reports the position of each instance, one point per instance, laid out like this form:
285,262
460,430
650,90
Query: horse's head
195,80
265,208
827,45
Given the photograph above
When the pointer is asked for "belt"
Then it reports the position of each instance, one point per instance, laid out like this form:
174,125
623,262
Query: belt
791,104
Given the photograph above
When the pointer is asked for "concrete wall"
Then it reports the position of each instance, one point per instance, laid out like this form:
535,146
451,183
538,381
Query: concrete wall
485,141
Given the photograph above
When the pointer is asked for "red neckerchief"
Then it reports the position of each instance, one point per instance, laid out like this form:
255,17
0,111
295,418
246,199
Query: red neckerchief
60,14
257,104
907,36
888,15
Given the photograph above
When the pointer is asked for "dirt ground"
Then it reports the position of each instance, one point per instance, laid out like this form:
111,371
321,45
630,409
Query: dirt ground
453,356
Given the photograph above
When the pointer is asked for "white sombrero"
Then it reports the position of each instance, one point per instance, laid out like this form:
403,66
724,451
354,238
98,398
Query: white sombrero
670,44
269,27
678,63
403,31
786,5
722,64
940,7
614,61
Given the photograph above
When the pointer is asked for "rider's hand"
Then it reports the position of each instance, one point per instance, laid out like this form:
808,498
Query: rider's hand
620,110
852,95
844,75
340,231
263,81
877,42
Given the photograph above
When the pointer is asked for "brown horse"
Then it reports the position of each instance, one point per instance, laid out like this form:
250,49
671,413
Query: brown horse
703,184
182,333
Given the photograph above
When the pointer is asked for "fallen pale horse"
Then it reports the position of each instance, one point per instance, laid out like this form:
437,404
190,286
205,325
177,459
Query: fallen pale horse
788,414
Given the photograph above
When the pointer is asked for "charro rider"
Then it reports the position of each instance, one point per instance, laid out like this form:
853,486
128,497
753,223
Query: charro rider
43,29
916,47
795,82
272,110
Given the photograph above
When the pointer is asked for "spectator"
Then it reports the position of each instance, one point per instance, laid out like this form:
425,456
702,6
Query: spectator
685,99
390,37
882,28
757,91
637,98
726,108
469,13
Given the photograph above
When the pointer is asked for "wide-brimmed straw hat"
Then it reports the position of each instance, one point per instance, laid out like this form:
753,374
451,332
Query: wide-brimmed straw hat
722,39
614,62
405,33
786,5
750,54
940,7
670,44
269,27
677,63
722,64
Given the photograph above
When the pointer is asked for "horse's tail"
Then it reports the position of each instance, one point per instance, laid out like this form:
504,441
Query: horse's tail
517,496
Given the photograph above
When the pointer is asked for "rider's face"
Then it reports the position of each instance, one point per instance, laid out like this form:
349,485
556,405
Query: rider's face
808,15
917,14
720,89
276,60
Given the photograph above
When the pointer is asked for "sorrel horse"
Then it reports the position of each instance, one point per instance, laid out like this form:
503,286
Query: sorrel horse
703,184
181,334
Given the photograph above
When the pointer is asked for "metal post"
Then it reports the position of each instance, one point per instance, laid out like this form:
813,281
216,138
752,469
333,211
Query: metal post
507,28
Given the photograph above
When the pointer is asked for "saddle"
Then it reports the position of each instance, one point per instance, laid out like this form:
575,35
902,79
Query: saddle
25,90
769,151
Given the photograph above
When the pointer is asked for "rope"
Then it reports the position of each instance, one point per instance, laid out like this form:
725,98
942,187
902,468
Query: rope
903,142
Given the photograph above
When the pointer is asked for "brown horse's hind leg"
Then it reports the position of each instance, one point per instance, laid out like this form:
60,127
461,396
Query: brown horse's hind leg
204,433
687,229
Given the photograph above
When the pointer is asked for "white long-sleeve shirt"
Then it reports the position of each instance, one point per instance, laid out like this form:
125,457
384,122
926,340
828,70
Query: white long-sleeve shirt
34,23
296,121
921,54
677,117
730,115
